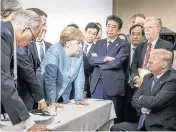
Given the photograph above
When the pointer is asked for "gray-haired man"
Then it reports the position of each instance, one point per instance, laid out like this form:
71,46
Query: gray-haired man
23,28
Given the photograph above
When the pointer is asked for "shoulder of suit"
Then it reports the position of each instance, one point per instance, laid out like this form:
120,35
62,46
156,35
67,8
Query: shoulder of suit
166,42
141,45
101,41
148,76
6,33
56,48
171,77
48,43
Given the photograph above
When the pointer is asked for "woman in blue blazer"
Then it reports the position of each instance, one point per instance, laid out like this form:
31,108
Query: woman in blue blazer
62,66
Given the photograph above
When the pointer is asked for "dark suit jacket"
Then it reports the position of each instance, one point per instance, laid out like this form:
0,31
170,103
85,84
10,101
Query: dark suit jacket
28,87
33,54
161,101
10,99
140,51
88,70
112,72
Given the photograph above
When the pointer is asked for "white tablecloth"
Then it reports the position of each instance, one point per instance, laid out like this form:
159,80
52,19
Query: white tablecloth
98,114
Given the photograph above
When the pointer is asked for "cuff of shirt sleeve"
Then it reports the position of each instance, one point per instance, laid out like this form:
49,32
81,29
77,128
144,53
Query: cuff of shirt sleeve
25,125
134,79
43,100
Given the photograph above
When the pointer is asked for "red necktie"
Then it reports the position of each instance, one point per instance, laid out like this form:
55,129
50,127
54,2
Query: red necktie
147,55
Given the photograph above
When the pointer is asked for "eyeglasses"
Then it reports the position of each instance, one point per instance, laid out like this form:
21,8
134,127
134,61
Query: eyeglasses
33,37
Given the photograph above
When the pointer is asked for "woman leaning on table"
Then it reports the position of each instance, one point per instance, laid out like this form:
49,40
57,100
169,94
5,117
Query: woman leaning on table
62,66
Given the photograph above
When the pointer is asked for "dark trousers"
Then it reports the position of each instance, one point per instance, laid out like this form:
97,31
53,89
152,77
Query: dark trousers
130,113
118,101
128,126
125,126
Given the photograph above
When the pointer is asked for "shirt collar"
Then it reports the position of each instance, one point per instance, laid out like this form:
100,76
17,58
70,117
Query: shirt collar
132,46
154,42
158,76
112,40
39,43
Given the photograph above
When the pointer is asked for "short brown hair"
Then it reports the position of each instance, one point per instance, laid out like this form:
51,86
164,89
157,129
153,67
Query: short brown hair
71,33
38,11
138,15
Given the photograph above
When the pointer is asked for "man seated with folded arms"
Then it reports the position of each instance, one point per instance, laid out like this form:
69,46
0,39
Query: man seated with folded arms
155,100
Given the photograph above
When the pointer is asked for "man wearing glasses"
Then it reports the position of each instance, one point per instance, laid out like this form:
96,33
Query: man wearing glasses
28,62
16,33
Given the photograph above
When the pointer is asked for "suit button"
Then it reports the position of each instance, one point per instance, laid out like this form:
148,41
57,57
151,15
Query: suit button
69,77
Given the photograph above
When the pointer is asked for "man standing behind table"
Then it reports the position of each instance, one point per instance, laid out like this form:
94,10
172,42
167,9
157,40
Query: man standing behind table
21,26
108,58
91,31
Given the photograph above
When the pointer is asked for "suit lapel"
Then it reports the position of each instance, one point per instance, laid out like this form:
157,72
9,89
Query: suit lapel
46,46
36,54
114,45
103,49
149,84
158,44
158,84
144,50
90,49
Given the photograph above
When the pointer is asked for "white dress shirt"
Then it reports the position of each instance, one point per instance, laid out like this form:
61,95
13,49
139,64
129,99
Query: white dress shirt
38,44
89,45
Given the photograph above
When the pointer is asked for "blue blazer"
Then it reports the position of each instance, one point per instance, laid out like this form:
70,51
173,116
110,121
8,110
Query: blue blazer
112,72
58,71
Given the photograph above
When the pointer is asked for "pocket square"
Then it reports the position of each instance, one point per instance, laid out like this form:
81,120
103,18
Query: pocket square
94,54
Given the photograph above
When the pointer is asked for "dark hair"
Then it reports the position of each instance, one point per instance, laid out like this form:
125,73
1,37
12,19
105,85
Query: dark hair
138,15
116,19
124,36
73,25
92,25
100,26
38,11
137,25
9,6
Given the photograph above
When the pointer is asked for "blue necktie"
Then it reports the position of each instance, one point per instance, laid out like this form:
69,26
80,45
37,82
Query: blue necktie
155,79
41,52
143,115
141,120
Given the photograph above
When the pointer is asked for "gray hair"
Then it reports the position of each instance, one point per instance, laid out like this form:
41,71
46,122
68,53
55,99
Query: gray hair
157,21
9,6
28,18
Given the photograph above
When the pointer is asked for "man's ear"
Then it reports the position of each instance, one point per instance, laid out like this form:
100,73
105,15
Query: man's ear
164,65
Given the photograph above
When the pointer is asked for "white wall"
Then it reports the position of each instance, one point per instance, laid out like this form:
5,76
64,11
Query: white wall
64,12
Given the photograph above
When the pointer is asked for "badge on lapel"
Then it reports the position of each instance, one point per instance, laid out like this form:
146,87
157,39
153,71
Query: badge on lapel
117,44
